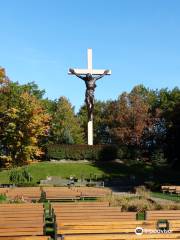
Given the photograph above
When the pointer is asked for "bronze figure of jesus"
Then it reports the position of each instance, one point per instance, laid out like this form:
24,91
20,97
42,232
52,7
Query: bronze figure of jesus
90,82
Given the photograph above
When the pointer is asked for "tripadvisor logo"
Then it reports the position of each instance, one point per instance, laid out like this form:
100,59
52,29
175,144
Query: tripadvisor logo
140,231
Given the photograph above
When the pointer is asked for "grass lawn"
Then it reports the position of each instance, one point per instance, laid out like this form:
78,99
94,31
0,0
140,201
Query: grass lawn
42,170
167,196
141,171
99,170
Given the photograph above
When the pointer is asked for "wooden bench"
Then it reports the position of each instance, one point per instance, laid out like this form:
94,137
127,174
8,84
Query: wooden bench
87,213
93,227
171,189
170,236
77,205
60,193
118,230
108,223
177,189
81,227
165,189
26,193
26,238
93,192
82,204
93,219
174,225
87,207
163,214
79,210
21,220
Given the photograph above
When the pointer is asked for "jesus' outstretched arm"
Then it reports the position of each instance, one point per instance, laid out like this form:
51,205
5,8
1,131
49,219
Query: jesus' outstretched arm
105,72
73,72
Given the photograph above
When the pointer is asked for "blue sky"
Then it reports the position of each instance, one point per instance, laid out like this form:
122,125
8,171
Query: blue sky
139,40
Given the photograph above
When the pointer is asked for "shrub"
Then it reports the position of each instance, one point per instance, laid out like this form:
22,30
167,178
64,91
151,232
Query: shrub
3,198
43,196
158,158
129,152
27,184
153,186
20,176
130,202
79,152
17,199
143,192
137,205
168,206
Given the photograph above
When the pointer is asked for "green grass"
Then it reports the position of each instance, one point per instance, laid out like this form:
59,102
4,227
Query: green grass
101,170
83,170
42,170
166,196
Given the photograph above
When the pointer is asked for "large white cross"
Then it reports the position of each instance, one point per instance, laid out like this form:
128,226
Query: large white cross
90,68
93,72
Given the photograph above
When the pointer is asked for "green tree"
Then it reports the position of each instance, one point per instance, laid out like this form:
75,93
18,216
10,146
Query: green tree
169,103
65,126
23,123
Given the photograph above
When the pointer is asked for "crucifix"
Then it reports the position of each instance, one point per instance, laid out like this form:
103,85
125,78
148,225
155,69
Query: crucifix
89,76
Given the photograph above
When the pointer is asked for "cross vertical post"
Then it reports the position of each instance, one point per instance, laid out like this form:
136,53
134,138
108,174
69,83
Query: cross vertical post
89,54
90,122
90,132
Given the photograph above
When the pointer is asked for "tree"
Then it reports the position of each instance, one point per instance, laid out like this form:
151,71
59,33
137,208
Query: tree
130,116
49,106
169,103
33,89
4,89
23,123
4,81
65,126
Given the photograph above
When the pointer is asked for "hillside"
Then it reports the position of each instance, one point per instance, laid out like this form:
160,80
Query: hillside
128,172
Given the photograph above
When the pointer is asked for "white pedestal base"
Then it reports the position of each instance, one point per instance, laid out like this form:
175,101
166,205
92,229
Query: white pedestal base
90,133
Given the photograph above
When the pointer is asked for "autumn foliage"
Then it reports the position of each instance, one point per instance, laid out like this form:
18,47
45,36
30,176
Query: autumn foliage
129,117
23,123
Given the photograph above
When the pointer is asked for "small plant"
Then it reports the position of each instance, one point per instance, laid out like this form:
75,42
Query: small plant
17,199
20,176
138,205
3,198
143,192
43,196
